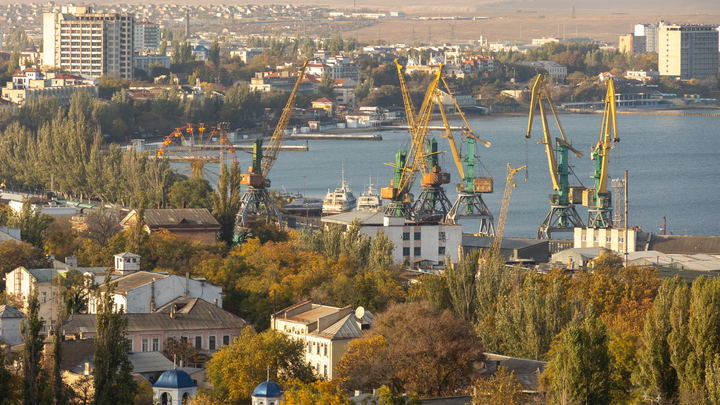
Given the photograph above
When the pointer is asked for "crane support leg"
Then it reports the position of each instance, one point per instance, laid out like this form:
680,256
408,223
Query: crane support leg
256,202
472,206
431,204
561,218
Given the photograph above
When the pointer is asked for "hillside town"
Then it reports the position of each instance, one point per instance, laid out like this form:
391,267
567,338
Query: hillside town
146,257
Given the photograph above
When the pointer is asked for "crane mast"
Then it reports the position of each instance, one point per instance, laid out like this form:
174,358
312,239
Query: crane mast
562,216
599,199
469,204
256,200
509,186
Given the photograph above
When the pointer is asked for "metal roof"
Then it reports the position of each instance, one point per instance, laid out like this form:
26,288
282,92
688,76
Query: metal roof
507,243
135,280
685,244
149,362
9,311
365,217
200,315
176,216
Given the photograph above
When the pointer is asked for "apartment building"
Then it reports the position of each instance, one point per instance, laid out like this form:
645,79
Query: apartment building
688,51
31,83
86,43
338,67
650,32
146,36
633,44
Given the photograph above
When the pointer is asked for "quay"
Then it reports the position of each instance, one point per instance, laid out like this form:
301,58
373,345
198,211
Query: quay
335,137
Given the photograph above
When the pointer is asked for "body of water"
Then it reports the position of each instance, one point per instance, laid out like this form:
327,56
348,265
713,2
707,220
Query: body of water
673,165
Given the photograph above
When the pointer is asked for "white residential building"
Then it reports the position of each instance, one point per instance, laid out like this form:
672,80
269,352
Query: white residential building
338,67
143,62
247,55
554,69
609,238
688,51
324,330
146,36
94,44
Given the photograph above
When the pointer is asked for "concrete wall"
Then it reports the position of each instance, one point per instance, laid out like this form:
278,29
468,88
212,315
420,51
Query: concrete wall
430,241
610,238
10,330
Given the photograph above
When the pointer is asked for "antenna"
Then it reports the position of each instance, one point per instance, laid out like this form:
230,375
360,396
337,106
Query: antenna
268,373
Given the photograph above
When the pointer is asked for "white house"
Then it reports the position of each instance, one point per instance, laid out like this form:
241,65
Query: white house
143,292
10,319
554,69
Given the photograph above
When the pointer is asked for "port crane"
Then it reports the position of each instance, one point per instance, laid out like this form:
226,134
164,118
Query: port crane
256,200
599,199
432,203
469,203
509,186
562,216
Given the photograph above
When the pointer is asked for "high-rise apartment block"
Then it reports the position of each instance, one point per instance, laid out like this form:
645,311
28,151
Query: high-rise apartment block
147,36
688,51
86,43
650,32
634,44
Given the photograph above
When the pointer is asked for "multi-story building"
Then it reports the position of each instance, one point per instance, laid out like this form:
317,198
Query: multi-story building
634,44
147,62
338,67
554,69
30,83
146,36
267,81
688,51
325,331
94,44
650,32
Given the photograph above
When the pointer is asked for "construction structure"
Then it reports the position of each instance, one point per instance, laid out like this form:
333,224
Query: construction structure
432,204
256,200
562,216
599,199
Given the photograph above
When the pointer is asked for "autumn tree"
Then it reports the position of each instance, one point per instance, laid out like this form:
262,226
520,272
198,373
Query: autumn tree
500,388
15,254
34,376
431,288
412,347
238,368
461,281
32,222
226,202
179,350
102,225
112,370
319,393
192,193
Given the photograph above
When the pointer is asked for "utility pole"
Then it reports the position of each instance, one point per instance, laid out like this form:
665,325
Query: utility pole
626,219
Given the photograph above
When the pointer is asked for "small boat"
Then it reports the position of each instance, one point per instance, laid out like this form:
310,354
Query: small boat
302,205
340,200
369,199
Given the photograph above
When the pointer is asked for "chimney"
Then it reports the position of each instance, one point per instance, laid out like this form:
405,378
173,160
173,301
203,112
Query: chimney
215,301
159,204
172,312
71,261
183,204
187,283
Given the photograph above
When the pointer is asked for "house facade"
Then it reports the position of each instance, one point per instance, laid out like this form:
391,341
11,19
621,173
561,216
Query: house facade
10,319
194,224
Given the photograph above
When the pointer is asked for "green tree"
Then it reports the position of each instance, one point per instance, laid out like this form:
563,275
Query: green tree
32,222
214,53
500,388
327,86
33,375
163,47
226,202
15,254
9,381
461,284
112,370
195,193
581,367
238,368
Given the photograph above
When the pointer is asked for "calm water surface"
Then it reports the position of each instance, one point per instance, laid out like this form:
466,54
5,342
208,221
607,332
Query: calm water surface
673,165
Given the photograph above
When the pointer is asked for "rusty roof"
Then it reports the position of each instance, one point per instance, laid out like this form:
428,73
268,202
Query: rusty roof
177,216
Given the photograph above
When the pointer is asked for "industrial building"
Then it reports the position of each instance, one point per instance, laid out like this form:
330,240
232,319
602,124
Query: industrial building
86,43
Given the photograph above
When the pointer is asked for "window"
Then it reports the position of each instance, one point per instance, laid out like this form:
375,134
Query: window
417,252
595,239
621,239
44,298
441,236
325,370
406,236
198,342
226,340
583,238
144,345
184,339
211,343
406,251
317,349
129,342
441,250
156,344
417,235
325,348
608,239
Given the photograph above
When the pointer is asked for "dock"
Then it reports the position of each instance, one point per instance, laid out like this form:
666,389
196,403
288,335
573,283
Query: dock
335,137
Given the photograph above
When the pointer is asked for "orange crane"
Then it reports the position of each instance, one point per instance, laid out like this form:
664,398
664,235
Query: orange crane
256,201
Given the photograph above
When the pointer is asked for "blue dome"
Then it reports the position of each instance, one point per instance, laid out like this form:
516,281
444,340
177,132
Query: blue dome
174,379
267,389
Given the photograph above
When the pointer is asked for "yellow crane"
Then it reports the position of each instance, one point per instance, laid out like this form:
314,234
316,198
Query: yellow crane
599,199
562,216
408,164
509,186
469,204
256,201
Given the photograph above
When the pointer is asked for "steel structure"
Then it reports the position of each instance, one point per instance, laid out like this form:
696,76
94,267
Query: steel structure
256,200
199,150
562,216
469,204
599,199
410,163
509,186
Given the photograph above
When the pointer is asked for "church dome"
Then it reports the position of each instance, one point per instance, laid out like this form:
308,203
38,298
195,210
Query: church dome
267,389
174,379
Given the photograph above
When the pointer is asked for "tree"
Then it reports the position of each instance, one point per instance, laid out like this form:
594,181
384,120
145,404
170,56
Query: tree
238,368
75,292
461,284
580,370
112,370
226,202
412,348
34,378
214,53
195,193
32,222
326,88
179,350
9,381
57,381
16,254
500,388
102,225
319,392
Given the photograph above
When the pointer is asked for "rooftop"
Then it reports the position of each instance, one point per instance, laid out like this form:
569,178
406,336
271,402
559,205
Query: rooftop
135,280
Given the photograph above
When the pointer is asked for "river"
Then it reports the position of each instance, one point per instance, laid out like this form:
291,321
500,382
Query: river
673,165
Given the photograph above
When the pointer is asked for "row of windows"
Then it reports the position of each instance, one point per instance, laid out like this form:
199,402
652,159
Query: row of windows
418,251
608,239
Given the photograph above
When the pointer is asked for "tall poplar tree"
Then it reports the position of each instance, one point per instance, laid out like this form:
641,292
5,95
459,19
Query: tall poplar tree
32,352
112,370
226,202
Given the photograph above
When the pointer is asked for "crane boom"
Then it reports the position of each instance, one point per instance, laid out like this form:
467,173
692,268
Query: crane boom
407,100
276,141
509,186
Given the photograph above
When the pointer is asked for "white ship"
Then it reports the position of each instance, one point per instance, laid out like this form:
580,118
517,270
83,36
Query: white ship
340,200
369,199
